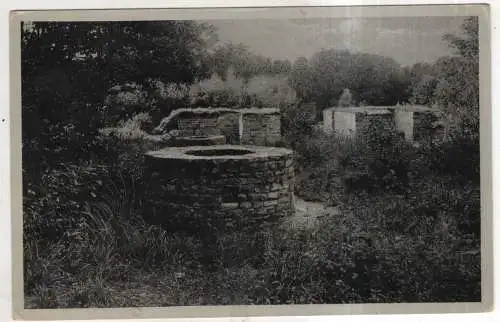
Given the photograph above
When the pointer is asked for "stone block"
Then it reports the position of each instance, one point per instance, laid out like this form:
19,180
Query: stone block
230,205
272,195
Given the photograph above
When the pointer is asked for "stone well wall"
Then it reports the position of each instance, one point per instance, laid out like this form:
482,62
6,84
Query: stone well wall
225,188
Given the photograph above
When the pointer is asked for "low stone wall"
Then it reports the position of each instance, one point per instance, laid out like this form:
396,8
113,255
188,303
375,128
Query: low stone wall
412,121
261,129
191,125
404,122
344,123
328,120
220,189
366,122
253,126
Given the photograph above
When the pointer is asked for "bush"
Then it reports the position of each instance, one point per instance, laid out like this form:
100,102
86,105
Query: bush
379,161
84,229
58,199
446,158
330,165
295,130
386,248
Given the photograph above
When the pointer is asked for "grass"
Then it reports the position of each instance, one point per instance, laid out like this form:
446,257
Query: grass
382,249
374,251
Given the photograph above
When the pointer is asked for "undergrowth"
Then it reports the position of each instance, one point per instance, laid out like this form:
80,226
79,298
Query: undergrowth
407,231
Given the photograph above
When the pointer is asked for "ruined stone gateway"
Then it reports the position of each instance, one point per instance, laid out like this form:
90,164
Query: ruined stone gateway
222,188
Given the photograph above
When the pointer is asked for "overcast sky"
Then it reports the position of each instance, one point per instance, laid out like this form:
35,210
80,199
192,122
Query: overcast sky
407,40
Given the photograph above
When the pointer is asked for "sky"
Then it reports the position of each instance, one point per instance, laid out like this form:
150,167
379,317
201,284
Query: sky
407,40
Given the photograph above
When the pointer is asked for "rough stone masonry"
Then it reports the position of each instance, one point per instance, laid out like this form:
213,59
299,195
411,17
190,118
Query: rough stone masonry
252,126
409,120
223,188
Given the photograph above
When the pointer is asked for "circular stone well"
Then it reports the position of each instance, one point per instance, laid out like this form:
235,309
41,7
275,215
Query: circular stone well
226,187
198,140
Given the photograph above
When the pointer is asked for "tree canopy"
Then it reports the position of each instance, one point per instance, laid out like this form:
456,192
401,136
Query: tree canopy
69,67
371,78
244,63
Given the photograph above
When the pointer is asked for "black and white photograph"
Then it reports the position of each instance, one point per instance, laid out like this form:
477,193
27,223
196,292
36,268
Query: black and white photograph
251,161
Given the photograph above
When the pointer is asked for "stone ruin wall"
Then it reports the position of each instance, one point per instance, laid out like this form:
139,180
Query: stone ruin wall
344,123
248,127
415,124
197,125
404,122
230,194
261,129
364,122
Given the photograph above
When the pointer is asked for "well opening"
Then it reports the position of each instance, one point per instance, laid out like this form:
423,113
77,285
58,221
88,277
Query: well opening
219,152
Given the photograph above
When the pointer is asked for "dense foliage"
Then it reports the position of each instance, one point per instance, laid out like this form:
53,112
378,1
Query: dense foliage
245,64
372,79
69,68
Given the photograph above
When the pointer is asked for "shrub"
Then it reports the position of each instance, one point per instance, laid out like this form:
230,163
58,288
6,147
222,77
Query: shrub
53,202
57,199
123,103
330,165
424,231
272,91
446,159
383,248
83,224
295,129
380,160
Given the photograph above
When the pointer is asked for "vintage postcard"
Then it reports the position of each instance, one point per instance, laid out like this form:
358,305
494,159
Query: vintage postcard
251,162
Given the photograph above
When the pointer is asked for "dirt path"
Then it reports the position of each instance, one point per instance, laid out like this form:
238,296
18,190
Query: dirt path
307,214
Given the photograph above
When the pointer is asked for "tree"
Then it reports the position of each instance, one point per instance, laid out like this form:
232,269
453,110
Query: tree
239,59
397,88
423,92
458,83
374,79
301,77
467,46
457,93
418,70
281,67
69,67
